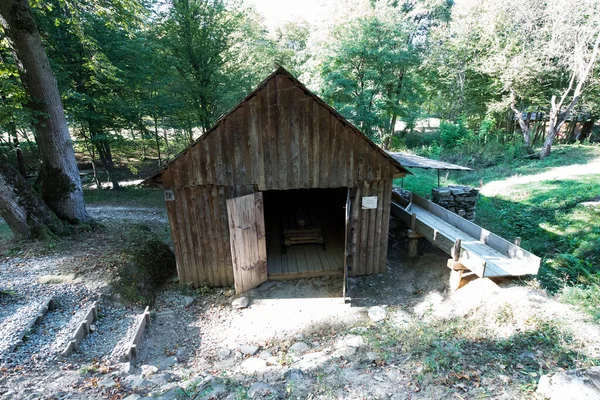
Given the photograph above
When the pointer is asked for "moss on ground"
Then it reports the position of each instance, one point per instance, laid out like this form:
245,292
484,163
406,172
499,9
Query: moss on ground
142,266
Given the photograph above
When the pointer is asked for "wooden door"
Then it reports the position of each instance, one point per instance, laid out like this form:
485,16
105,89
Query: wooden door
347,241
247,241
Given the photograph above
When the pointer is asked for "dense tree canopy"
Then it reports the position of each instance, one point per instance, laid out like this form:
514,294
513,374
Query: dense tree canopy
149,76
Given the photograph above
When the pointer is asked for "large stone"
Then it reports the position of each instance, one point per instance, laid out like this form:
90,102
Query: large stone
223,354
187,301
260,390
578,384
299,348
377,313
352,341
241,302
254,365
133,397
248,349
107,383
148,370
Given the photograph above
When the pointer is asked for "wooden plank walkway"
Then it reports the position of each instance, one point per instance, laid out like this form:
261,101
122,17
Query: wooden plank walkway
305,260
481,251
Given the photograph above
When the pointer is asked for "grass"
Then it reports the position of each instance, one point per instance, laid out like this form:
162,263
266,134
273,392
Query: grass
464,352
545,212
126,196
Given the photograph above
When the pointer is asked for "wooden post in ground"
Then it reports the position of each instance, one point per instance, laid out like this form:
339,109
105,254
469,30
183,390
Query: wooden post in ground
456,269
413,236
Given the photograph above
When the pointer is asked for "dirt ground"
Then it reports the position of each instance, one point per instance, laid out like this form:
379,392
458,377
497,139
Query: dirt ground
404,335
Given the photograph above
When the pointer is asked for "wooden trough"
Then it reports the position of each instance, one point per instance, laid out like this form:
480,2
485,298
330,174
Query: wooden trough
471,246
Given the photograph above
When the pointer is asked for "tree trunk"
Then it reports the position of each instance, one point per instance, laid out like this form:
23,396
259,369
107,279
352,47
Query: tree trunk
523,124
157,137
103,148
61,185
22,208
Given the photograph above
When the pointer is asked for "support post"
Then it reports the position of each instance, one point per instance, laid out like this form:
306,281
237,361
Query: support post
455,274
413,237
518,241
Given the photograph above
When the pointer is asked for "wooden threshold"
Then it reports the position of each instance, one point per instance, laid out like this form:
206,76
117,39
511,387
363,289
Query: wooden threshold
304,275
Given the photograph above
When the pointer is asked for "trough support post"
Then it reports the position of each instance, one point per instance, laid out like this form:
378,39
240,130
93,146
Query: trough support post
518,241
413,237
455,274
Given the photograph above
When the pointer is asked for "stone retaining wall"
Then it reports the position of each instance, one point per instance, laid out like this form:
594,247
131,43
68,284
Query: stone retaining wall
460,200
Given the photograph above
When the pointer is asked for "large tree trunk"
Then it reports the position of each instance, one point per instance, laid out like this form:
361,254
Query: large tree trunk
61,185
556,118
22,207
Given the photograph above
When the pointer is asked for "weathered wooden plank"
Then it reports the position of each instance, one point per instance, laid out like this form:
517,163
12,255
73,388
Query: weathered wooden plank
225,256
325,147
372,216
133,346
256,138
83,329
207,237
295,133
306,140
355,231
385,225
316,140
247,238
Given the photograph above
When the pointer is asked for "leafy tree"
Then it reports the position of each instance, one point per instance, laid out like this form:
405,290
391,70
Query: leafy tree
61,186
371,72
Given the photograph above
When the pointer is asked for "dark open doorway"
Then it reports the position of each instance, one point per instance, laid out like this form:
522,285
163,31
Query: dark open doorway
305,232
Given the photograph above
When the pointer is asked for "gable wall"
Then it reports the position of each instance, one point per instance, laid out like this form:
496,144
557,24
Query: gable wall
280,139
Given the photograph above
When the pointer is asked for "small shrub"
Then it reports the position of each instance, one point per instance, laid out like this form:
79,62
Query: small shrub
143,266
452,135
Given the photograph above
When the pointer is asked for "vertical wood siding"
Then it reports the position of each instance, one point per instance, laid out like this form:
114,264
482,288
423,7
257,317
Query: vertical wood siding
279,139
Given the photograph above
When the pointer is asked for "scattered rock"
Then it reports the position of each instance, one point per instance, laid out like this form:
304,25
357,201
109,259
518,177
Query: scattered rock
223,354
575,384
148,370
353,341
107,383
261,390
175,393
248,349
92,328
187,301
133,397
241,302
299,348
167,362
214,391
254,365
377,313
56,279
139,383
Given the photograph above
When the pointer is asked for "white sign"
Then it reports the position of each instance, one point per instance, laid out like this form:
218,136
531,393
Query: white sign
369,202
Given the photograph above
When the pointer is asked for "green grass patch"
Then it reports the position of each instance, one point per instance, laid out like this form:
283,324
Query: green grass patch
547,214
130,196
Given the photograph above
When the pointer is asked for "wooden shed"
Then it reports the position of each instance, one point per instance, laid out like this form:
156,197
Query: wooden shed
282,187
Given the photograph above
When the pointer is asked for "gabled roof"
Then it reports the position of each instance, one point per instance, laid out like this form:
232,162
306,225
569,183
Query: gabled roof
155,179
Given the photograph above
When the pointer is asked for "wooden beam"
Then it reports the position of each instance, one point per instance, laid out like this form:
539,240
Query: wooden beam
83,329
46,305
132,348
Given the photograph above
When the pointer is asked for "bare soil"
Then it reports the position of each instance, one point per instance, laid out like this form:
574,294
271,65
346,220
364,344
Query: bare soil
296,339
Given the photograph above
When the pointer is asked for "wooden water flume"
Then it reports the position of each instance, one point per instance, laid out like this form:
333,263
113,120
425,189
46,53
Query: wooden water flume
471,247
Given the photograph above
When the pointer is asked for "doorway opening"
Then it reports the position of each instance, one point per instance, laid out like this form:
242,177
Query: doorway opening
305,232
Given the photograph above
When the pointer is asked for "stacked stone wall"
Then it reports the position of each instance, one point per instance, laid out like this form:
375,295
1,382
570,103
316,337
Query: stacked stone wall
460,200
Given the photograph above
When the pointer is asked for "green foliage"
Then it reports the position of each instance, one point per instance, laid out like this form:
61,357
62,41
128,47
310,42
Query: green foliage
144,265
455,134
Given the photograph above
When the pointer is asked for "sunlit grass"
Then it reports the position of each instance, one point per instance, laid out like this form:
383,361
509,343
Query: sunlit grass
546,213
